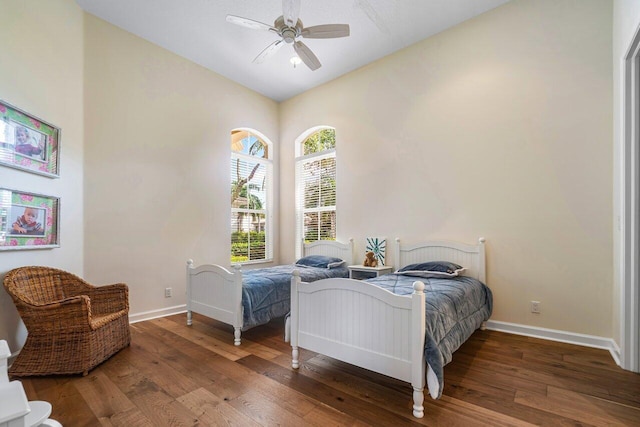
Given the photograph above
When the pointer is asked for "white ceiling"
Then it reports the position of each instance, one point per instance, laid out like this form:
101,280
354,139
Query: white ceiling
197,30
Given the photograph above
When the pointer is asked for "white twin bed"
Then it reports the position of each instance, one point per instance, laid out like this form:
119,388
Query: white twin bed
218,293
370,327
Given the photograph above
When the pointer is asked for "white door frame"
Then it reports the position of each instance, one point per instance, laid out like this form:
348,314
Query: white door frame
630,218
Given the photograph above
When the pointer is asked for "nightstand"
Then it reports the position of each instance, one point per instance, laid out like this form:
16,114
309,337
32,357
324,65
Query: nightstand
360,272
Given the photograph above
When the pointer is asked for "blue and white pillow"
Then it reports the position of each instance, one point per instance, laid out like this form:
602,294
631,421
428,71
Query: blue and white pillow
320,261
432,269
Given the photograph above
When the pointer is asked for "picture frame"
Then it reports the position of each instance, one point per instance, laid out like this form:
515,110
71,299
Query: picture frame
28,143
377,245
28,220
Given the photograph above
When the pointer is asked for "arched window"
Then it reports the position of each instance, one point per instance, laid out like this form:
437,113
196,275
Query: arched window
316,186
251,181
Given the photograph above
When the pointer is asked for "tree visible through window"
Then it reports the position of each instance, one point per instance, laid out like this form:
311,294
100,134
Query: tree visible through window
316,187
250,188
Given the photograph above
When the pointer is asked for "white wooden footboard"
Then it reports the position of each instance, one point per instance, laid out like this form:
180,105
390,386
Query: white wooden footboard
364,325
215,292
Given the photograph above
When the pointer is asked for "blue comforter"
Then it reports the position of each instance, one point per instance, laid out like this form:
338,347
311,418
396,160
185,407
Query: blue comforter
455,308
266,292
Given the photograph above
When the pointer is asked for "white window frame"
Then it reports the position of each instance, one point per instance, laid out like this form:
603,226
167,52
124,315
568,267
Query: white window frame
301,159
268,162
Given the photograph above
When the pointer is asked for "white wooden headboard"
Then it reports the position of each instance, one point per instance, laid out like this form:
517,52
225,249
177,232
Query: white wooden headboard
330,248
472,257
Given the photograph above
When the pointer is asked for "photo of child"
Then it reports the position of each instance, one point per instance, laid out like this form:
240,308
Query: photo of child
29,142
28,221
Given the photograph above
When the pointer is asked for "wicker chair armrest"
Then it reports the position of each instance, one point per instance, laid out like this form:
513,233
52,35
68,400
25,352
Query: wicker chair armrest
109,298
69,313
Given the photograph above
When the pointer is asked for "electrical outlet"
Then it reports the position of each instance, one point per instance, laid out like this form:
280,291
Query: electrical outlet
167,292
535,307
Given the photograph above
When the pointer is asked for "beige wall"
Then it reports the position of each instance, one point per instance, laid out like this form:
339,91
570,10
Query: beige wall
499,127
157,163
41,72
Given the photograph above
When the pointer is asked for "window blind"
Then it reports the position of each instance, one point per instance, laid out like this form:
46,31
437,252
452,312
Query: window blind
250,231
316,197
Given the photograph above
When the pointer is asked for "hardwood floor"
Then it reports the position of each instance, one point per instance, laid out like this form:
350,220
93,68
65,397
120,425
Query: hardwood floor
175,375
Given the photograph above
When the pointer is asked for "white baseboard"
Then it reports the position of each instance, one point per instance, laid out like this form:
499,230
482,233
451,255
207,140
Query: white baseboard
615,353
560,336
154,314
12,358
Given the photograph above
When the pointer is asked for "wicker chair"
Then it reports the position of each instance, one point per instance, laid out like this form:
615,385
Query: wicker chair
72,326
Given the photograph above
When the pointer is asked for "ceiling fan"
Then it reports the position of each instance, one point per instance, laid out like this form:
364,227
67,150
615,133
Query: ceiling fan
290,29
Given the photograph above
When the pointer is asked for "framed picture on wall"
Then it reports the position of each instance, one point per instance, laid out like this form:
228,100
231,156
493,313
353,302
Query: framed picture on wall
28,220
28,143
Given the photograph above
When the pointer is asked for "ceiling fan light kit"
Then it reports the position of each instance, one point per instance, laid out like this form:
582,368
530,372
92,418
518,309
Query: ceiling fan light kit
290,28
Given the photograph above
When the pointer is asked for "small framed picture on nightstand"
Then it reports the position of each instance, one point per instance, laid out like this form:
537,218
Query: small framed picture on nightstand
377,245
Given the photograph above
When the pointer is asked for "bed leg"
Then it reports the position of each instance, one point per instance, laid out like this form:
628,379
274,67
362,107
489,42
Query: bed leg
287,329
483,326
418,400
295,363
236,336
189,318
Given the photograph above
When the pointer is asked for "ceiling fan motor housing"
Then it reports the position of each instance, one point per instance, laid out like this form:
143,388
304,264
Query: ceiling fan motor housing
288,34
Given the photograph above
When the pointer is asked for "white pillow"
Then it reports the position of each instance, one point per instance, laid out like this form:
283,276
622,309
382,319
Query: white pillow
336,264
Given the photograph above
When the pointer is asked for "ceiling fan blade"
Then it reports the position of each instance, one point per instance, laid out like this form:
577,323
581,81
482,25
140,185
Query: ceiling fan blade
290,12
328,31
268,51
307,56
250,23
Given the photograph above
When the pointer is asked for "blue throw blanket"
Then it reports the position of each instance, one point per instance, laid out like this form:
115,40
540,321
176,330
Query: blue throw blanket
266,292
455,308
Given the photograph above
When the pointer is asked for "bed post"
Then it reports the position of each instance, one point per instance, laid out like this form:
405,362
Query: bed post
352,254
481,261
189,314
417,348
295,282
239,313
